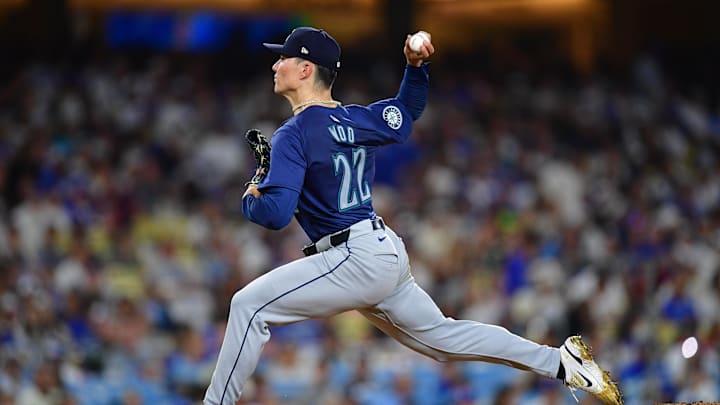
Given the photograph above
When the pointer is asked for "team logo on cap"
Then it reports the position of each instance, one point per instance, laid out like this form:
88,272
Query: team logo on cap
392,116
304,51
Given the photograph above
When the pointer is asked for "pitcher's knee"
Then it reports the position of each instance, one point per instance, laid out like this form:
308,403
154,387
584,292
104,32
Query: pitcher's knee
244,301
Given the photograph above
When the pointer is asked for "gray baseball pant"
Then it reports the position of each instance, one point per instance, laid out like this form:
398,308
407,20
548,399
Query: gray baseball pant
370,273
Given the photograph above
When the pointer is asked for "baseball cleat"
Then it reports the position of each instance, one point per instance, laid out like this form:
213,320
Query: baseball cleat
581,372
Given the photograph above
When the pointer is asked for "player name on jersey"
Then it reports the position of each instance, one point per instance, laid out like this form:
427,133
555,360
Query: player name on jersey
342,133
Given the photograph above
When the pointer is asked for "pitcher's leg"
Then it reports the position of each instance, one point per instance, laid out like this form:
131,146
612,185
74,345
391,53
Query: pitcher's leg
245,336
315,286
412,317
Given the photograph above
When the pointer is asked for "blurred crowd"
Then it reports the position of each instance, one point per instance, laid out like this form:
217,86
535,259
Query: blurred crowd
549,206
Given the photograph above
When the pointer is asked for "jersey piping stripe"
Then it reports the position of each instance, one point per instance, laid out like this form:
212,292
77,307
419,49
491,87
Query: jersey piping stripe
268,303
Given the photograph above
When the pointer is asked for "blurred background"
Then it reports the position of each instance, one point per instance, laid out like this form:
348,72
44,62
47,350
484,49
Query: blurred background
563,179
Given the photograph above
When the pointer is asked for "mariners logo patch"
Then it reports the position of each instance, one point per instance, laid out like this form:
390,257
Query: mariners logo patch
392,116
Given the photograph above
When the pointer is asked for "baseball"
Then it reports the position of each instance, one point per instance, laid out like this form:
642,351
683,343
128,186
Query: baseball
416,41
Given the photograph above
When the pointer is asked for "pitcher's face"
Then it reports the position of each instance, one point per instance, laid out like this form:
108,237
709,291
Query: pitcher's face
287,74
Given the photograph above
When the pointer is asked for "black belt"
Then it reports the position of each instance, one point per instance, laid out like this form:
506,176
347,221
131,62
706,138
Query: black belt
342,237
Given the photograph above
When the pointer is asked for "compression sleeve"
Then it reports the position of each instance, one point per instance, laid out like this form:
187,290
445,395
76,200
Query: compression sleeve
274,209
414,89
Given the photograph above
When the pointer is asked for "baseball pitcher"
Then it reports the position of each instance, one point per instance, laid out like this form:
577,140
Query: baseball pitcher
319,168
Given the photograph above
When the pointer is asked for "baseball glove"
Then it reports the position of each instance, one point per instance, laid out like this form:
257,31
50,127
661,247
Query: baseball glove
260,147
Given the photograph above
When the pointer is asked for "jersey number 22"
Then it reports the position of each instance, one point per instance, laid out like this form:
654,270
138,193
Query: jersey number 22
353,191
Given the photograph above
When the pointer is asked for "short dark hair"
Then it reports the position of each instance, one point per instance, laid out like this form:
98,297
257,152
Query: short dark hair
325,76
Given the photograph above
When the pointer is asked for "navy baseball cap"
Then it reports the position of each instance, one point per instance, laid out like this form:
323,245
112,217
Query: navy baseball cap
312,44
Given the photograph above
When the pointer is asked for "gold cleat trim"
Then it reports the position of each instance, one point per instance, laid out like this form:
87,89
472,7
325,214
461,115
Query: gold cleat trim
610,394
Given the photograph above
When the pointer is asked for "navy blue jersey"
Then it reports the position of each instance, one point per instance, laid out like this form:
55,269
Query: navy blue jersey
327,155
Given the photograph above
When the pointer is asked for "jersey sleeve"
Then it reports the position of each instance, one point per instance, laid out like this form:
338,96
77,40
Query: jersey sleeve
274,209
385,121
413,90
287,161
